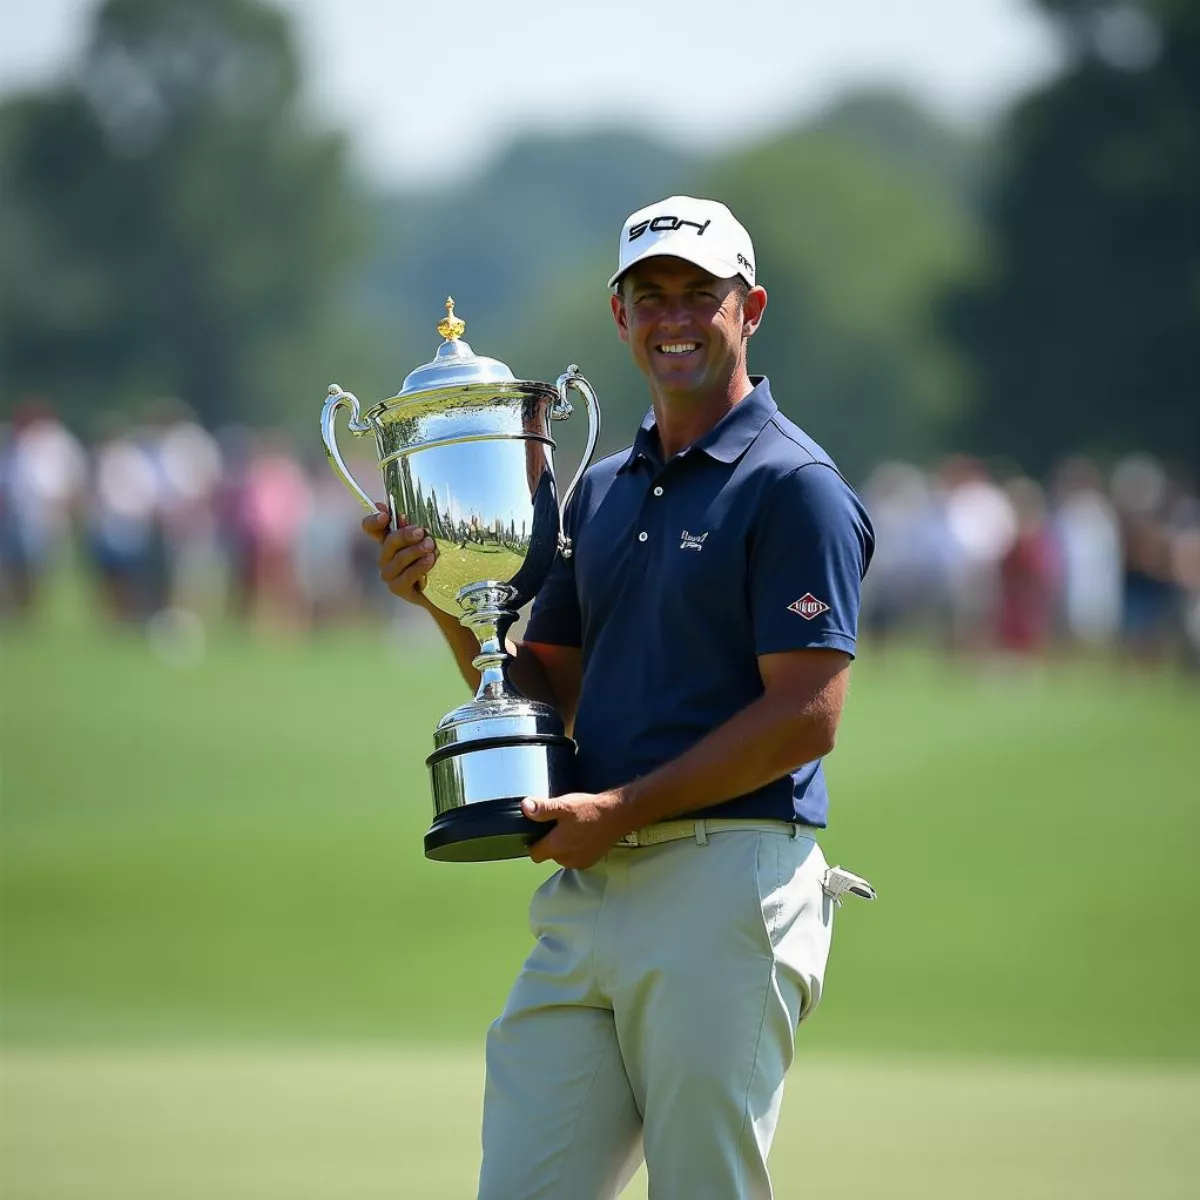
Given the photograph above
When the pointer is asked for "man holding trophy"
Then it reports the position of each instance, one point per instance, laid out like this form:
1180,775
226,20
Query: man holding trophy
695,637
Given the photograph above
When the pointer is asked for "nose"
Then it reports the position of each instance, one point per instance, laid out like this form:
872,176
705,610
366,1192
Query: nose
675,313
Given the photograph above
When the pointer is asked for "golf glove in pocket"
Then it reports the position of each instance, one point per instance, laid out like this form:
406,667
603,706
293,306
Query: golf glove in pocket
838,882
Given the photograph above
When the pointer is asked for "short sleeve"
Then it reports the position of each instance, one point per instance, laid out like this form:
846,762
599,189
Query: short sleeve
555,618
811,546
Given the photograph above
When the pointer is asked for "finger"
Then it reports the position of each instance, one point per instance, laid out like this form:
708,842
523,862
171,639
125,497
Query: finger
397,540
418,558
542,850
413,578
538,808
376,524
400,559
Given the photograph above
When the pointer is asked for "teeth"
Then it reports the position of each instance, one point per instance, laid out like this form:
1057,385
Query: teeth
679,348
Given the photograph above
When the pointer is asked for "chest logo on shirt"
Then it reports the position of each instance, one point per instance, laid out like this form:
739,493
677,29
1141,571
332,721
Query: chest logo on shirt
808,606
692,541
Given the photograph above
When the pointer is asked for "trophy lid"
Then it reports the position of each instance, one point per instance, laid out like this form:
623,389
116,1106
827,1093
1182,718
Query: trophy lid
455,364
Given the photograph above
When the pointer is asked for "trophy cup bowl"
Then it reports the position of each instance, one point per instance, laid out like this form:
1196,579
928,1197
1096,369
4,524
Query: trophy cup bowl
466,452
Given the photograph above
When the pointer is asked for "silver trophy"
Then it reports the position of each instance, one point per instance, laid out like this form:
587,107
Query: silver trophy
465,450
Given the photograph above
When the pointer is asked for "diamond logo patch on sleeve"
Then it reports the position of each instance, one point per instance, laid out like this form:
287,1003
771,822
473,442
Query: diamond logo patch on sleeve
808,606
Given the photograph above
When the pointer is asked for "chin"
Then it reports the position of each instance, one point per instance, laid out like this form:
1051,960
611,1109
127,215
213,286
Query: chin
685,386
678,376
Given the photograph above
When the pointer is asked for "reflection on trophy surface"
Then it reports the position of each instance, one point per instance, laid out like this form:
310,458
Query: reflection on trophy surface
466,452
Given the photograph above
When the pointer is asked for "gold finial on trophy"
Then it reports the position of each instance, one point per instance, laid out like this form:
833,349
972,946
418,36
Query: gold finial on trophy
450,326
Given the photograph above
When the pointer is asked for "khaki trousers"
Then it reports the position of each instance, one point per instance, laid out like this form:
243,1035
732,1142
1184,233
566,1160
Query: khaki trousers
656,1014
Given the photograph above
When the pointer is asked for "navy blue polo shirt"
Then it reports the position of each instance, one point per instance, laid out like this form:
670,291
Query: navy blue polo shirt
747,542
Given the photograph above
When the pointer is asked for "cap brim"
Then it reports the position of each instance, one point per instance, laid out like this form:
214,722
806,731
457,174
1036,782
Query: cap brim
717,267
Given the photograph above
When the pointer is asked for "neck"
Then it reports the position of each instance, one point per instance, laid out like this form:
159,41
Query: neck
683,418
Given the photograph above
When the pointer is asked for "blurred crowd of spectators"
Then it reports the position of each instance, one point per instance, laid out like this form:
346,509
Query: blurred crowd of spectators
1009,566
167,517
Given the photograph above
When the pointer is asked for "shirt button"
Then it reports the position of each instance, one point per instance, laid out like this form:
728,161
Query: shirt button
658,491
643,536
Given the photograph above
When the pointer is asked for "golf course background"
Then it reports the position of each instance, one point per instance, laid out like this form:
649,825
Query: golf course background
228,970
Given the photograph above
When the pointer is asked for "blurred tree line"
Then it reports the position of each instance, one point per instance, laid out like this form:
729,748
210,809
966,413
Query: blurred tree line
174,222
1085,329
171,224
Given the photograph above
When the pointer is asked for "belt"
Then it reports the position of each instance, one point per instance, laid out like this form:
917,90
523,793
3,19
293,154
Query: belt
674,831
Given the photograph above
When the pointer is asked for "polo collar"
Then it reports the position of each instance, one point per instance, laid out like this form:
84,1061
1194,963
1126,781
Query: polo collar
727,440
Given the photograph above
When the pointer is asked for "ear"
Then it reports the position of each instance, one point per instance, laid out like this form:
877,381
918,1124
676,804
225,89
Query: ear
619,315
753,308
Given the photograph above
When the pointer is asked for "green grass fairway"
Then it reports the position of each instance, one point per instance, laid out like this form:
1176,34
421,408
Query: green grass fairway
231,853
228,972
311,1126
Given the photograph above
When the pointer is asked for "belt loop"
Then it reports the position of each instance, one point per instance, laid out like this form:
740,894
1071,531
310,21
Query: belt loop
701,833
795,831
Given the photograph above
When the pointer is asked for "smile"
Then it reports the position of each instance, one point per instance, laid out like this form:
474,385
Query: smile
679,348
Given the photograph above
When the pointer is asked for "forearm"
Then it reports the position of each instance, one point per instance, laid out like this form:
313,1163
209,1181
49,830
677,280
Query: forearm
528,676
765,741
462,642
523,669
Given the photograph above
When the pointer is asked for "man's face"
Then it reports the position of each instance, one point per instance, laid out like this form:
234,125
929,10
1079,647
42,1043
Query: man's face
685,327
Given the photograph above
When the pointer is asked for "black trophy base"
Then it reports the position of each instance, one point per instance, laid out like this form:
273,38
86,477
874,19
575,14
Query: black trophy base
487,831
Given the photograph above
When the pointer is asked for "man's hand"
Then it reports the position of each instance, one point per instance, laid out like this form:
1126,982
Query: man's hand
405,555
586,827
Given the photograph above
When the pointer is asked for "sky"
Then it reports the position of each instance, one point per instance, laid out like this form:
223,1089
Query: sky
430,92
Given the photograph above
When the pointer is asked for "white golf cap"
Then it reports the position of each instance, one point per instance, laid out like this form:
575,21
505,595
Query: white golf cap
703,232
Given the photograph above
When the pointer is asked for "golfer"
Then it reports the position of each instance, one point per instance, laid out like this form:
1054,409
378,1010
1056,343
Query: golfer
698,644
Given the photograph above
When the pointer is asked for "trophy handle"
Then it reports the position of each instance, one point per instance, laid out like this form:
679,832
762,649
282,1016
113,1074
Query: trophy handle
339,399
574,379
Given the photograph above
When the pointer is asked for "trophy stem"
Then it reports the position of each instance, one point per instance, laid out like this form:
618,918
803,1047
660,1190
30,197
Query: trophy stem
489,619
